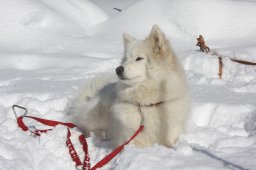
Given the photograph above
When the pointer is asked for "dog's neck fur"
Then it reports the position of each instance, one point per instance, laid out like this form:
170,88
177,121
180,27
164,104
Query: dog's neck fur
146,94
152,92
154,104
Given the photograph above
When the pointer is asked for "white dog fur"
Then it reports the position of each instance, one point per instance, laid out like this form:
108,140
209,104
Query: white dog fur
150,77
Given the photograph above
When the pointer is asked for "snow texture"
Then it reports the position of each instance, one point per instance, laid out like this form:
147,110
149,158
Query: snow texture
49,48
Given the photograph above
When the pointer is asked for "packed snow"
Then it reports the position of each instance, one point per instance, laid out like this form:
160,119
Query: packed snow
49,48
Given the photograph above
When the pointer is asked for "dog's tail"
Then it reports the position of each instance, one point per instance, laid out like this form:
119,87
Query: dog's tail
89,92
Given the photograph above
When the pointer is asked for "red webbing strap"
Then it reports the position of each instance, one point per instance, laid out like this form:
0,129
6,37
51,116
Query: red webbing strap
25,128
112,154
72,151
82,139
86,164
21,123
43,121
51,122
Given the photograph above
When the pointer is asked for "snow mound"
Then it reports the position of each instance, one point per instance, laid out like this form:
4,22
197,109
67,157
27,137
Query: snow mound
208,65
187,18
36,21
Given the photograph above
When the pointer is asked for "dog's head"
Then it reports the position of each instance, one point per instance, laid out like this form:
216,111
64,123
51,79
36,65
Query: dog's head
142,58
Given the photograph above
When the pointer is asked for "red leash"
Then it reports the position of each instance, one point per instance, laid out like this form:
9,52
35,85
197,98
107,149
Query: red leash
86,163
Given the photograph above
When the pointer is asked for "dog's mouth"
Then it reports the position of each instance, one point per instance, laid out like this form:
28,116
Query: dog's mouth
122,77
126,79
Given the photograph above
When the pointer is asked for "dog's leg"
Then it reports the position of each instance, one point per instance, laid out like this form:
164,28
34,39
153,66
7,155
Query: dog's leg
172,133
93,120
125,121
173,117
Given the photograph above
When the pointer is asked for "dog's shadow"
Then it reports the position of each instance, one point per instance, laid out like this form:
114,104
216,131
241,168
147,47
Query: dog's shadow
101,144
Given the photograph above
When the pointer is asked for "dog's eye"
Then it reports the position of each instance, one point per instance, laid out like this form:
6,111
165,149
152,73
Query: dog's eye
139,58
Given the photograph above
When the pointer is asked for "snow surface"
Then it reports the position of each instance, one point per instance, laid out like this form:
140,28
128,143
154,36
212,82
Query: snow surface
49,48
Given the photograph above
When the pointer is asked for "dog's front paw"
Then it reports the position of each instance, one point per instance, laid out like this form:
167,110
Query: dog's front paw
170,143
171,138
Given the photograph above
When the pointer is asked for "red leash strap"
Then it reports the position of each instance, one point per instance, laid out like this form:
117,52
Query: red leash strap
52,122
112,154
72,151
43,121
86,163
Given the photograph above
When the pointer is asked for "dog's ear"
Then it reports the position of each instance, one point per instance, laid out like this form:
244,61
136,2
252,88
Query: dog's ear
127,40
158,40
161,46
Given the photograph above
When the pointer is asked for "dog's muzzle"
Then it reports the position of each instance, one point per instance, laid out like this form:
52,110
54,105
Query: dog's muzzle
119,70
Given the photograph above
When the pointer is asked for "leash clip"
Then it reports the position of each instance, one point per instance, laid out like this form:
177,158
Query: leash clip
33,130
20,107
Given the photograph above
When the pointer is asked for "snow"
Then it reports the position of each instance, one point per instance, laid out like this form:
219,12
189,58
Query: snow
49,48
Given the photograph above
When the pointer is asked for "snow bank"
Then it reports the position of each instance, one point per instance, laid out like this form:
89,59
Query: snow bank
187,19
28,23
208,65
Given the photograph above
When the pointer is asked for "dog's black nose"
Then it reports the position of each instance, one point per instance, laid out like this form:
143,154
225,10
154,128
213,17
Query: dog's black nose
119,70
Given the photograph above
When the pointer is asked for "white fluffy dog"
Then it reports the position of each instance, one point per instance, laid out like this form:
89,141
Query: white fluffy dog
149,78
